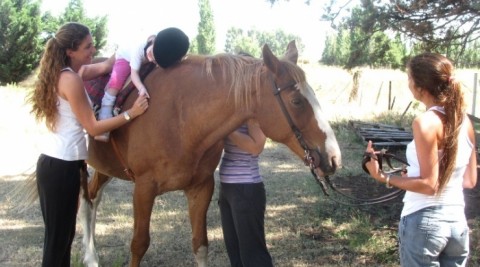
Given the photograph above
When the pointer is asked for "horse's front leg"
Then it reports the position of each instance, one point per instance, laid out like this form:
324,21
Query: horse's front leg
199,197
88,214
143,198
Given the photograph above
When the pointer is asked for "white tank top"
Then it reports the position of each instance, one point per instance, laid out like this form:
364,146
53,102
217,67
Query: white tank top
452,194
68,141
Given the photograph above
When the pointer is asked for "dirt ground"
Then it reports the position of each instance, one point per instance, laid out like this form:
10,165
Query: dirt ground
362,189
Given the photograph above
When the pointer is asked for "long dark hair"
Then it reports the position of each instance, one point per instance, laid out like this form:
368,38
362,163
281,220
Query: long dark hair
434,73
44,96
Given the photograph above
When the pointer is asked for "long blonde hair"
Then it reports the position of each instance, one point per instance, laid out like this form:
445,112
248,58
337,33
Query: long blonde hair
435,73
43,97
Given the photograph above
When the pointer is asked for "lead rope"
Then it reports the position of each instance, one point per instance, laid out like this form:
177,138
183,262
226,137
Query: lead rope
380,156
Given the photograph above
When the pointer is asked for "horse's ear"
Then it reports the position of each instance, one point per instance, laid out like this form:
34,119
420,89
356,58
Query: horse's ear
269,59
292,53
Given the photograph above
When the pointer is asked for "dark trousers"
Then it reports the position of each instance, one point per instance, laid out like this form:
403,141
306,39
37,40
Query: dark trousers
58,183
242,209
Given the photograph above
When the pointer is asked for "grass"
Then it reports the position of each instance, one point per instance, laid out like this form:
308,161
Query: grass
304,228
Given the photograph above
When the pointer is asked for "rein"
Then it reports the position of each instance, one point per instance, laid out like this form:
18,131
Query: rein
380,156
311,161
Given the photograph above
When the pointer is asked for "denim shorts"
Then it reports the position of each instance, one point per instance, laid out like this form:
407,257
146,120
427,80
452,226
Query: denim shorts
434,236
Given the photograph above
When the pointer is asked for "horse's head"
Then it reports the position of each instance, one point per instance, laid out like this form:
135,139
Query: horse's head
297,108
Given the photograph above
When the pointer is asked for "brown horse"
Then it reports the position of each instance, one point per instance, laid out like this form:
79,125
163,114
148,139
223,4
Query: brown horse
177,143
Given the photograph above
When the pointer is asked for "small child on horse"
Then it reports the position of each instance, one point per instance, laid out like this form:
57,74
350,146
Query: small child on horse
128,61
165,49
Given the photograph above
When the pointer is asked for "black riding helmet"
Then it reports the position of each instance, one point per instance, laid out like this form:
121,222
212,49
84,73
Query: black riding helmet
170,46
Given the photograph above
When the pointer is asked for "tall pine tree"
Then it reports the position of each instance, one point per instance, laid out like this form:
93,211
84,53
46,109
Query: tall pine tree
205,41
20,47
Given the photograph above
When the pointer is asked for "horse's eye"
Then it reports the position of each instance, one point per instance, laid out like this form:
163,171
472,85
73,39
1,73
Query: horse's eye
296,102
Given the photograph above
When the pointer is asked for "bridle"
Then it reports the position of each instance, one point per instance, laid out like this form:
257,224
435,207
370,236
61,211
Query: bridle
312,159
309,157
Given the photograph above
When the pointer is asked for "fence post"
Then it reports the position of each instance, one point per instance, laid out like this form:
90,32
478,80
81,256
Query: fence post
389,95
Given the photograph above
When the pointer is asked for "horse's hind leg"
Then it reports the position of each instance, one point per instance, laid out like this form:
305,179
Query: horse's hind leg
88,215
199,197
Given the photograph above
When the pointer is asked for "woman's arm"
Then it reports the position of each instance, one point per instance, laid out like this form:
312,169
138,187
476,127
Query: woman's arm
470,176
71,88
425,135
92,71
253,142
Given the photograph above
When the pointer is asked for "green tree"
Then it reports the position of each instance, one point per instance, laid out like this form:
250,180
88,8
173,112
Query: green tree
328,54
252,41
239,41
355,45
397,55
337,48
441,25
438,25
205,40
75,12
20,48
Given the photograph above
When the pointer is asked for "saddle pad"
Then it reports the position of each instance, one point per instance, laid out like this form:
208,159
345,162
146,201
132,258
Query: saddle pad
96,89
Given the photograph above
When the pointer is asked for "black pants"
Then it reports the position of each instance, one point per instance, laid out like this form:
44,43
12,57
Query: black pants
58,183
242,209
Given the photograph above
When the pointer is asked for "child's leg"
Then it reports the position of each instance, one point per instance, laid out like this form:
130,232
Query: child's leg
120,72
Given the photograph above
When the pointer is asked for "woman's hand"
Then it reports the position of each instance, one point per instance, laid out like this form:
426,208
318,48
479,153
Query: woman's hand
372,165
139,107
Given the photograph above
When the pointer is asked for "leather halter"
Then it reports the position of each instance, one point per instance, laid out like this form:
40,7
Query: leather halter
313,162
308,159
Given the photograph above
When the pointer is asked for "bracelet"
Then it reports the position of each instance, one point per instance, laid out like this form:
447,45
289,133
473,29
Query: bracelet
387,183
126,116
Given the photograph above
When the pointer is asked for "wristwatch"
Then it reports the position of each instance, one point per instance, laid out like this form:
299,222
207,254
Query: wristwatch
126,116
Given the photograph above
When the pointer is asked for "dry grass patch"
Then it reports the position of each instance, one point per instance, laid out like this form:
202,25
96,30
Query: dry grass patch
304,228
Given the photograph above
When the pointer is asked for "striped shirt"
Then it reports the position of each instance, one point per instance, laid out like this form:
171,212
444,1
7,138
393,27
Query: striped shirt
238,166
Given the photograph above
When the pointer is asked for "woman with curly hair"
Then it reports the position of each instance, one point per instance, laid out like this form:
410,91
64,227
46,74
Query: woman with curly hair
59,98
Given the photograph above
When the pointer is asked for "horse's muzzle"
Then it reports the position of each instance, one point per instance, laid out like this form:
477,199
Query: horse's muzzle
320,162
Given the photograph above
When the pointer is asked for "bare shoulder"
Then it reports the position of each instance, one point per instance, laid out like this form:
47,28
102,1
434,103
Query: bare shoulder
428,124
428,119
69,82
69,77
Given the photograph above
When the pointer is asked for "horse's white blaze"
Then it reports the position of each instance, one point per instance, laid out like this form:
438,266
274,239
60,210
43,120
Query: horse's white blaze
331,144
201,256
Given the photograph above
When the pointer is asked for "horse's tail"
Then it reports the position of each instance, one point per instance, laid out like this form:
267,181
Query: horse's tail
25,193
84,184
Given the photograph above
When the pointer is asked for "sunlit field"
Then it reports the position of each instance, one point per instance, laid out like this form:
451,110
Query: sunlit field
303,226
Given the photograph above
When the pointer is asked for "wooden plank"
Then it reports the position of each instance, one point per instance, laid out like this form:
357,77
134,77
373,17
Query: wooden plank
382,135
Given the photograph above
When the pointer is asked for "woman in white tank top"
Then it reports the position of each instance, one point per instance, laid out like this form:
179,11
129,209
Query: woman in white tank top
433,230
59,98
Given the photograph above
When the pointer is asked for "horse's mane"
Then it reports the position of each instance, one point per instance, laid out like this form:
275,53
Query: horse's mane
244,74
